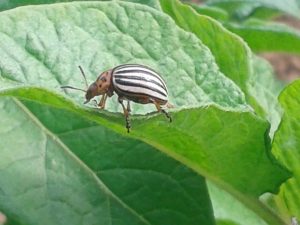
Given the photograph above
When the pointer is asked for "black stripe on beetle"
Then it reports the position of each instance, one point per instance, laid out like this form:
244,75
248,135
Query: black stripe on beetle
131,68
142,79
132,72
131,82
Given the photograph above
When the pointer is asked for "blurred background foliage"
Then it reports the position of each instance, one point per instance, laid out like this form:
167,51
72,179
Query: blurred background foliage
263,13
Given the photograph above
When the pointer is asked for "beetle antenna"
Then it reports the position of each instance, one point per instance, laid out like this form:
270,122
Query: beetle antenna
86,83
70,87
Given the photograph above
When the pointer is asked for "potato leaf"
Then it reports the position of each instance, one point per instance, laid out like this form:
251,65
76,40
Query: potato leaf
267,37
286,147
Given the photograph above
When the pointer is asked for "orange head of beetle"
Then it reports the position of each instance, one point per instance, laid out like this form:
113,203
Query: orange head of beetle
101,86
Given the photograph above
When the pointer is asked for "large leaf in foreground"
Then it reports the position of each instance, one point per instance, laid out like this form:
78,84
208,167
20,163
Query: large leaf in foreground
59,168
195,138
286,147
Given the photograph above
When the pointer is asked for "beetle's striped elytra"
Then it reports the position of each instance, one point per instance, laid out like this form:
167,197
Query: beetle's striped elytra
141,82
131,82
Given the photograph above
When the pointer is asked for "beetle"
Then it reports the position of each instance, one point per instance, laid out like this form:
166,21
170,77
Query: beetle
131,82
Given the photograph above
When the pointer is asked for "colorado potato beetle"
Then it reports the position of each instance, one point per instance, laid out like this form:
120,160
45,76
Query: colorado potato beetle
131,82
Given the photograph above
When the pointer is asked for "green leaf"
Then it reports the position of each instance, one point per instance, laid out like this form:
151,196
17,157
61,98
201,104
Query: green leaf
9,4
195,139
231,53
152,3
57,167
214,12
262,36
199,150
241,9
286,148
230,211
101,35
265,88
234,59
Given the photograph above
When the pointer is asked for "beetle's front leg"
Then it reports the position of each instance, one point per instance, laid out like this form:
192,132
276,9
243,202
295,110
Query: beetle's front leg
126,114
102,101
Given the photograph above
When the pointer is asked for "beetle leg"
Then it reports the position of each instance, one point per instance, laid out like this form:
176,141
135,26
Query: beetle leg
159,109
128,107
126,114
167,115
102,101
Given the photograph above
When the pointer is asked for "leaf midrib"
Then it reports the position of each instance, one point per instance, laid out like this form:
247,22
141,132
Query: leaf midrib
57,140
